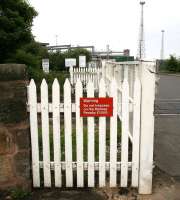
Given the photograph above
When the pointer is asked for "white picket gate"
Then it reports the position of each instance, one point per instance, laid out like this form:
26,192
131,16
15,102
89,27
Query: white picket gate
132,105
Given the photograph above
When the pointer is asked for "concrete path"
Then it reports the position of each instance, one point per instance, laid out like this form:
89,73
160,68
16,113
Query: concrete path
167,125
169,87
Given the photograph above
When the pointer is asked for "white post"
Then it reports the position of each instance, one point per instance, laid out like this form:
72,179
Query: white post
147,127
56,132
71,74
125,129
113,136
136,128
91,145
45,133
102,140
79,135
68,133
34,133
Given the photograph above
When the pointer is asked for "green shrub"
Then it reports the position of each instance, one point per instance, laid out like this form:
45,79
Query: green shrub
19,194
57,60
170,65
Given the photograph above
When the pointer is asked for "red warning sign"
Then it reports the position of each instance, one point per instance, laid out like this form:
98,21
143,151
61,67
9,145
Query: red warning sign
96,107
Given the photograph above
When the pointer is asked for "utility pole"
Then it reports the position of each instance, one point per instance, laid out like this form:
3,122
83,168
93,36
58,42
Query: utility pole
141,42
162,46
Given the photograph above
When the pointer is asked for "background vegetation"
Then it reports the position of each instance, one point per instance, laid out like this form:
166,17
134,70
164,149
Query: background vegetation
18,45
170,65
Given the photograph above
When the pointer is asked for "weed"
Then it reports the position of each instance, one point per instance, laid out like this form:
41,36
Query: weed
19,194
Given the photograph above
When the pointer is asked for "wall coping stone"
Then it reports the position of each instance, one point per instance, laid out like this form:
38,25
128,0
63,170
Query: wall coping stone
9,72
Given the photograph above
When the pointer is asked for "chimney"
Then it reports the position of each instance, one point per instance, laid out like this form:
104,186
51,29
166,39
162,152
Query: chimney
126,52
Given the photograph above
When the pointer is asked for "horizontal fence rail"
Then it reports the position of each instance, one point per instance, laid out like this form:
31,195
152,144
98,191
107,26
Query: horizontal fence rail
84,150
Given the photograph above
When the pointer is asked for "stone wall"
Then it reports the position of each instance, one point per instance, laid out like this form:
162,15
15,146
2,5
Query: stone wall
14,128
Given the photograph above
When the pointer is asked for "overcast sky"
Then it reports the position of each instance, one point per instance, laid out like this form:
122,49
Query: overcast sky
113,22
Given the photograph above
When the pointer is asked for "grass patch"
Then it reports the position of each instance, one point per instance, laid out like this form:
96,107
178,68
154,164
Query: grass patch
85,141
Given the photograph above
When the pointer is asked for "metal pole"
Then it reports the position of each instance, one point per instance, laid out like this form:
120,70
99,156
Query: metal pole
162,46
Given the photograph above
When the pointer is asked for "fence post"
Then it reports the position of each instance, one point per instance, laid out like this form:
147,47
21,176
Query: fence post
147,127
125,129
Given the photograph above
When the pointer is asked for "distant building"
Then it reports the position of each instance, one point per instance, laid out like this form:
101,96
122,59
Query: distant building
43,44
118,56
114,55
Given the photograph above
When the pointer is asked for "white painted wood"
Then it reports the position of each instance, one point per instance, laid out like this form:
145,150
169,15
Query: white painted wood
96,166
143,122
147,127
79,136
125,129
93,76
102,140
91,146
34,133
103,69
77,70
45,133
113,136
86,75
51,107
68,133
56,132
74,72
91,70
71,74
136,129
89,74
81,74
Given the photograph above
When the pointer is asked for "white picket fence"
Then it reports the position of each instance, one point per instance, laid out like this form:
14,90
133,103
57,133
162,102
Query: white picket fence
132,105
85,75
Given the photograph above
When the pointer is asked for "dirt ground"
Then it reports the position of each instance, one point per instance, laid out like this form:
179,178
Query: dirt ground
165,187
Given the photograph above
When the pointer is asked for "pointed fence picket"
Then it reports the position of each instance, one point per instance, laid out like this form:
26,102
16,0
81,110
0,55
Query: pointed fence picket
68,133
132,105
45,133
34,133
113,137
79,136
56,132
91,146
102,140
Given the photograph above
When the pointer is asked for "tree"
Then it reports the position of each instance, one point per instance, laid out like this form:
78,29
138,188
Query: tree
16,19
170,65
57,60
